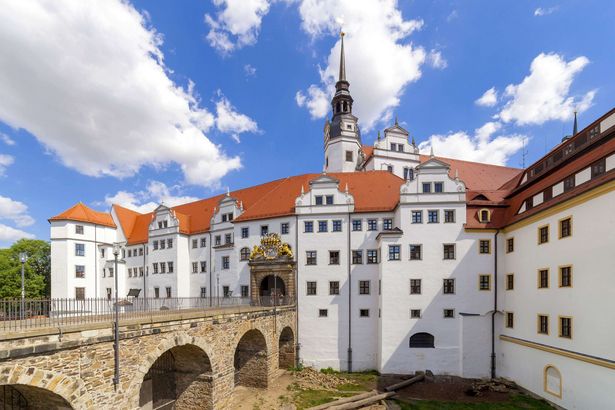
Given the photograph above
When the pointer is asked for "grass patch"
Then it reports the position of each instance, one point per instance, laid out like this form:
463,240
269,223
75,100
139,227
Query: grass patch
309,397
516,402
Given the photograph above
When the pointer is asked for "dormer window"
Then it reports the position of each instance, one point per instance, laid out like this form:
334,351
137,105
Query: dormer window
329,199
408,174
426,187
162,224
484,216
438,187
319,200
349,126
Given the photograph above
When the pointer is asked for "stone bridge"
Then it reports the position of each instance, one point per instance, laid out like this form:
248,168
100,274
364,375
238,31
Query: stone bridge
183,360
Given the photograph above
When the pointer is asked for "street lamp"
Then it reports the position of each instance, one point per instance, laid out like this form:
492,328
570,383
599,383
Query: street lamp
23,257
116,325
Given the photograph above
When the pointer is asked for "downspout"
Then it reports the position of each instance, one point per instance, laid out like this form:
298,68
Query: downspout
298,345
95,264
144,271
495,301
349,302
210,273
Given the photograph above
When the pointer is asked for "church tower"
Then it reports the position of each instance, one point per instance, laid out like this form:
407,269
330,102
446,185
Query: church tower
342,135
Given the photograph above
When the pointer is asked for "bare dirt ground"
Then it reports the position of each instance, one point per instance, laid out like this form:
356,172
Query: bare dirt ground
247,398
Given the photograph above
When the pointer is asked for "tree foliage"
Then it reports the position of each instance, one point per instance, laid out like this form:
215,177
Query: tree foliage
37,269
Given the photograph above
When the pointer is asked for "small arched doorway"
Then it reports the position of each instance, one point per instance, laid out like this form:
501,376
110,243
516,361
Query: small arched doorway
20,396
250,360
181,378
286,350
272,291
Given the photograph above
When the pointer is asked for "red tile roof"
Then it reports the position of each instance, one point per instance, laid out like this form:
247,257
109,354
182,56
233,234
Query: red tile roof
81,213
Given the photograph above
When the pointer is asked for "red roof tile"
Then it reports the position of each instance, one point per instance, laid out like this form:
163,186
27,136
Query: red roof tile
81,213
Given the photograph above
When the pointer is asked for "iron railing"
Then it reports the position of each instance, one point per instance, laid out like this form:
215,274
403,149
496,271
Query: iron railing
17,315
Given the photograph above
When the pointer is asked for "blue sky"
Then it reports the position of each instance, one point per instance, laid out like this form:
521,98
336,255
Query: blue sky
151,101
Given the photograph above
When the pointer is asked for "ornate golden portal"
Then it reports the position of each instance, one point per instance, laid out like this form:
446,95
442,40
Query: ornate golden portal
272,272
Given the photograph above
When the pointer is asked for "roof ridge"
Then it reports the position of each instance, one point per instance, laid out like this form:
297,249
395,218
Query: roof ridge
473,162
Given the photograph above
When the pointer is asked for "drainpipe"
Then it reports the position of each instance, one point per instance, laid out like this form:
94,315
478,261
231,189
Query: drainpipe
144,247
349,301
495,301
298,345
210,273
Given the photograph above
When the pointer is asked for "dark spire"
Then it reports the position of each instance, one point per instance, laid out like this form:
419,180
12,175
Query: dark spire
342,76
574,127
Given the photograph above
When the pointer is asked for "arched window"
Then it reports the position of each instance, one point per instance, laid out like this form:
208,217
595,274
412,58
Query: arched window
337,107
553,381
484,215
422,339
244,254
345,106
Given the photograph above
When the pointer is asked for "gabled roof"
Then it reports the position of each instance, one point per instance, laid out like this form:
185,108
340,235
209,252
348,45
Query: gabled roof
397,128
81,213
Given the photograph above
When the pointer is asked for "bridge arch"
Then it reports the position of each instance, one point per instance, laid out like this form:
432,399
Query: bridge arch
251,360
43,389
286,348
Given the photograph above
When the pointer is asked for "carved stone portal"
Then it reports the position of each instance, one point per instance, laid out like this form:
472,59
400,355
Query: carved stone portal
272,272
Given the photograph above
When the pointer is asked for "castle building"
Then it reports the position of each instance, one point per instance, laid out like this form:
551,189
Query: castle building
404,261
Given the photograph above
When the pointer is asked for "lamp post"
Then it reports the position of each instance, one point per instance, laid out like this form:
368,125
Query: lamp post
218,288
116,323
23,257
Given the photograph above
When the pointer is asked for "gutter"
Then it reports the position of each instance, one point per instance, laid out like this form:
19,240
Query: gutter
495,302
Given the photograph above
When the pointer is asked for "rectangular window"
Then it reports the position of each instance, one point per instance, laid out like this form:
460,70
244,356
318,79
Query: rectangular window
426,187
140,251
334,288
226,291
130,272
79,271
156,292
163,244
264,230
510,245
510,281
203,266
217,240
284,228
310,257
598,168
110,272
438,187
323,313
130,253
415,313
390,168
80,293
372,224
308,226
543,234
79,249
109,292
334,257
163,267
329,199
449,313
348,156
510,320
168,288
318,199
225,262
228,239
337,225
394,252
408,174
432,216
484,282
155,245
203,292
170,265
543,278
357,225
484,246
372,256
448,286
245,291
102,252
449,216
245,232
387,224
565,228
415,286
363,287
311,288
323,226
357,257
569,183
363,312
155,267
169,243
449,251
79,229
417,217
415,252
195,267
141,271
565,327
203,242
543,324
565,276
224,217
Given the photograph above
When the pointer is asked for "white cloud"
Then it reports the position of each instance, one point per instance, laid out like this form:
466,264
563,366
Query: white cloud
6,139
89,81
8,235
236,25
543,95
228,120
15,211
378,52
480,147
5,162
488,99
435,59
145,201
545,11
249,70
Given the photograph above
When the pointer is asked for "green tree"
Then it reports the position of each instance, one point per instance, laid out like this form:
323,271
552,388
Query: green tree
37,269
